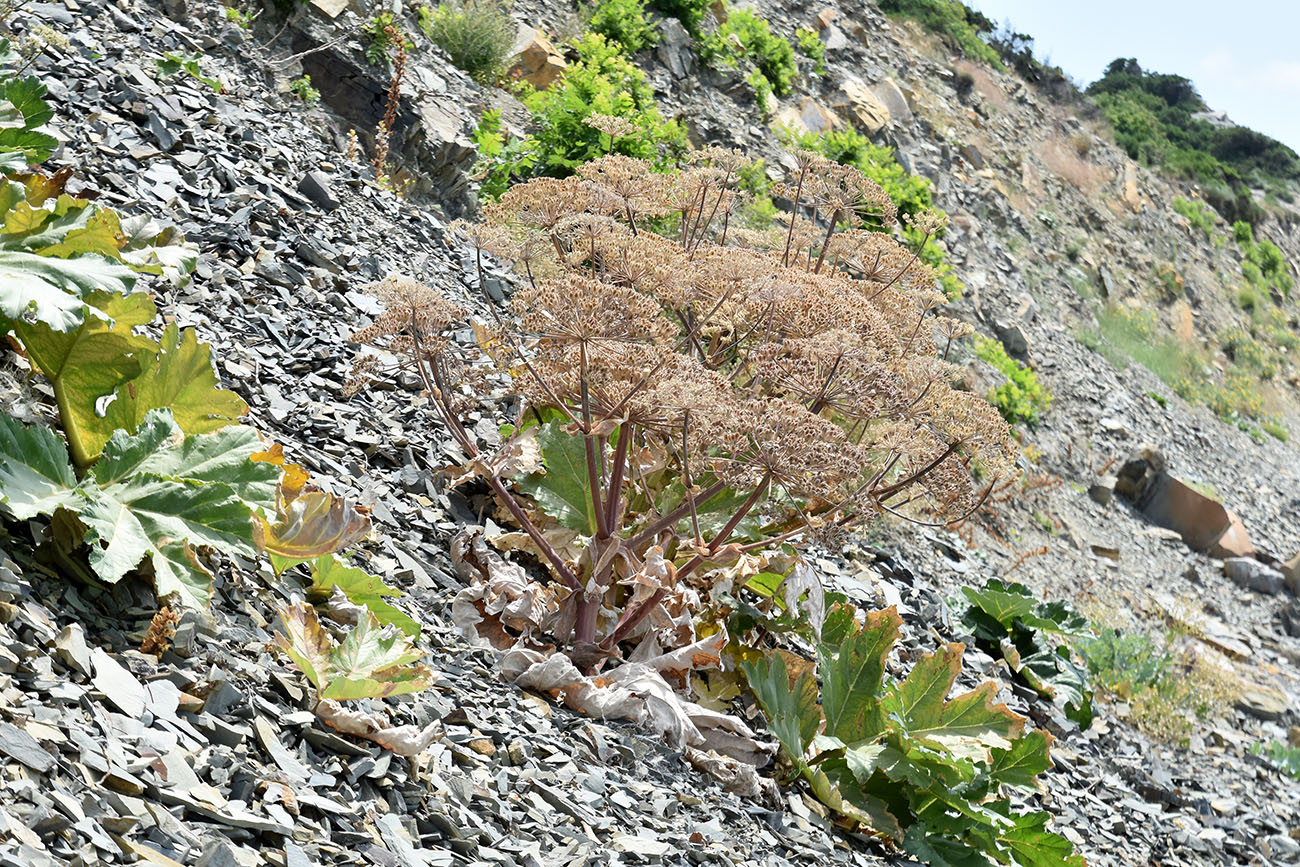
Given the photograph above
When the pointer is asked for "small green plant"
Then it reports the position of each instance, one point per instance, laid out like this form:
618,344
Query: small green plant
1008,622
173,62
370,662
1200,215
1286,758
1263,265
691,13
1166,689
1160,399
745,37
623,22
301,88
813,48
1247,351
476,34
383,36
1021,399
1276,430
903,759
241,18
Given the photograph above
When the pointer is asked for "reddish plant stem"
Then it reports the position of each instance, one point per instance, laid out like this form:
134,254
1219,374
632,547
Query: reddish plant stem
681,511
589,446
634,616
614,495
794,213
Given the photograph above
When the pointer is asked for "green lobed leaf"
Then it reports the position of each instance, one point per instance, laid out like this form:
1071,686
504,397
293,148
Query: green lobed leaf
791,710
938,850
927,713
361,588
1055,676
178,377
562,491
28,96
852,674
1026,758
36,477
52,290
1032,845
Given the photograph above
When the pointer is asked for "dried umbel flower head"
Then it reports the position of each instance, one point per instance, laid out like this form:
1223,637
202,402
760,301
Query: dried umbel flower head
790,374
611,125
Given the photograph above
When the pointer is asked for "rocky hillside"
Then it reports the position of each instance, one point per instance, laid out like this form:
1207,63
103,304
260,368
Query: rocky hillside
1159,496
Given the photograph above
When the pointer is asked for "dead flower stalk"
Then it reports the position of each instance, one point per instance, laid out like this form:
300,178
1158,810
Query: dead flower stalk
696,397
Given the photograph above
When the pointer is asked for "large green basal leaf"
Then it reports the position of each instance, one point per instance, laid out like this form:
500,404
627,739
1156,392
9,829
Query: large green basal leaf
53,290
851,678
1023,761
791,711
27,95
223,457
179,378
36,476
361,588
563,491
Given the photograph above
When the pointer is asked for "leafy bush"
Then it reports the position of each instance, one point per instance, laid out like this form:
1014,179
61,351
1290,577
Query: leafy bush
747,37
902,758
301,88
1170,280
1007,622
1264,266
623,22
601,82
1247,351
1021,399
383,36
1197,213
476,34
954,21
910,193
813,48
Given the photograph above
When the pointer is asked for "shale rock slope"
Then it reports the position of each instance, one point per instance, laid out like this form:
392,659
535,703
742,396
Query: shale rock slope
210,755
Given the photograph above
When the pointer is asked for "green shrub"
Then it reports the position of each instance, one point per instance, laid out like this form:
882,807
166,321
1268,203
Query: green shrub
601,81
1021,399
623,22
1247,351
910,193
1151,114
747,37
813,48
954,21
476,34
1197,213
1264,266
1167,690
301,88
383,35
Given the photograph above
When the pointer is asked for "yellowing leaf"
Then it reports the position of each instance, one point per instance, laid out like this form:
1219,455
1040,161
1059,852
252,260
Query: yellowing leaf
370,662
361,588
313,524
178,377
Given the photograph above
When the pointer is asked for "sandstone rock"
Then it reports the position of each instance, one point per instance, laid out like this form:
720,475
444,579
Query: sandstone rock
1253,575
825,18
1131,197
972,155
534,59
1262,702
889,93
718,8
860,106
1291,573
809,116
1144,465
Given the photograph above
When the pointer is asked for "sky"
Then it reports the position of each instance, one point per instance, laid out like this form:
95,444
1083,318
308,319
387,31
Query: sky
1243,55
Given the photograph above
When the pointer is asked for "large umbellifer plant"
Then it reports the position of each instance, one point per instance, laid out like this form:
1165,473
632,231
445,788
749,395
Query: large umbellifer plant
696,398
